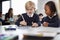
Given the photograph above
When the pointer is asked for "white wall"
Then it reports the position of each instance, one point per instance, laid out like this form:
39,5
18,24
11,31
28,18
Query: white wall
19,6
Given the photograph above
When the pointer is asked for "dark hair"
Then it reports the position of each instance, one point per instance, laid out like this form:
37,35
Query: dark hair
52,6
40,14
18,15
0,12
10,12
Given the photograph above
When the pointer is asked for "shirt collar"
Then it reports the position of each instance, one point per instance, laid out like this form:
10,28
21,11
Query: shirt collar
52,16
30,15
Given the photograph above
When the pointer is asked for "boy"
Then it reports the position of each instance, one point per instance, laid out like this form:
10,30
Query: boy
40,17
30,18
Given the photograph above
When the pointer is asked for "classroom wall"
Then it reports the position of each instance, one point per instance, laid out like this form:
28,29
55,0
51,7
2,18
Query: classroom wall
0,6
59,9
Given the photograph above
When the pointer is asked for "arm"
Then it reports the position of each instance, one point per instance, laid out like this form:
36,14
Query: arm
18,21
55,24
37,20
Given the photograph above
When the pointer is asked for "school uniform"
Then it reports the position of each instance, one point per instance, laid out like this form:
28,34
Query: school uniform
8,18
2,21
53,21
34,18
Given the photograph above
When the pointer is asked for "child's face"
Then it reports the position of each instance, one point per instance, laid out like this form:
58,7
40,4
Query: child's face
47,10
30,10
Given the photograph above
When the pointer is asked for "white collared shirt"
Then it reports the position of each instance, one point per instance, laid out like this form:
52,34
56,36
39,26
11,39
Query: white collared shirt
30,15
52,16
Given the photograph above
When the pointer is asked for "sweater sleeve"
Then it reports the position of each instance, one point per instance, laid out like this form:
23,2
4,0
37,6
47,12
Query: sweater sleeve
37,20
55,24
18,21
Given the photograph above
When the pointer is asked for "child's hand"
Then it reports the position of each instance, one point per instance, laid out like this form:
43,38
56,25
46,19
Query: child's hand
45,24
23,23
34,24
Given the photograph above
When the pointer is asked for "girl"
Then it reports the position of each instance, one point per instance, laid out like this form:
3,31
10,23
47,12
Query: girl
9,16
51,19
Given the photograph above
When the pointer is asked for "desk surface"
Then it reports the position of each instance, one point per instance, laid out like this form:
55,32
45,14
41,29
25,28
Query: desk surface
8,37
46,31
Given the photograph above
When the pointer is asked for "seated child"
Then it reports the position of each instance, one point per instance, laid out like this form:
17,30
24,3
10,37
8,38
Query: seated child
1,20
51,20
30,18
40,17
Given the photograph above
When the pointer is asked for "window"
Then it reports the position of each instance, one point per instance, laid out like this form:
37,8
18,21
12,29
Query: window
5,6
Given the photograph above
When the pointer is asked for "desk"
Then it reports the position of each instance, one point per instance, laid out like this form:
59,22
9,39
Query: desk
52,32
8,37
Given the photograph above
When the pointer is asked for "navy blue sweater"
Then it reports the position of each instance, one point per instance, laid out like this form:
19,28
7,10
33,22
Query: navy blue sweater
53,22
28,19
2,21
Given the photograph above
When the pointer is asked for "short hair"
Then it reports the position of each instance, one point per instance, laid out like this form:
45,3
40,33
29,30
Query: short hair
30,4
40,14
52,6
18,15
